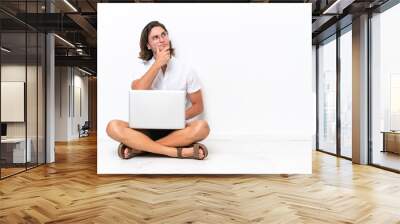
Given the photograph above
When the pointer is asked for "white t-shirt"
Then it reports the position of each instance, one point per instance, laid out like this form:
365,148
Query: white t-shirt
177,76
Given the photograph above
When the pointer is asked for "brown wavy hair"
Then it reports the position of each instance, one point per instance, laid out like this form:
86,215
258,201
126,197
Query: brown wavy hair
146,54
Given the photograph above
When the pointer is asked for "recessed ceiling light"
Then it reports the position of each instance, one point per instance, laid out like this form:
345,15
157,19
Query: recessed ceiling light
337,7
5,50
64,40
70,5
84,71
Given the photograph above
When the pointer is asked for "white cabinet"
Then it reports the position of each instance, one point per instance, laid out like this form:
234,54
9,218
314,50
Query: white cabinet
18,149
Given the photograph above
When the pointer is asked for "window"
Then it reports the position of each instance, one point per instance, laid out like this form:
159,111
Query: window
346,93
327,96
385,89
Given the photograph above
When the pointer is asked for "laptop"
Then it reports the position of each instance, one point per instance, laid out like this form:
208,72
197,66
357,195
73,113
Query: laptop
157,109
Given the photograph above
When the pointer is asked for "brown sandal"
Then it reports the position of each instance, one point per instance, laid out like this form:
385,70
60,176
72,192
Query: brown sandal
131,152
196,152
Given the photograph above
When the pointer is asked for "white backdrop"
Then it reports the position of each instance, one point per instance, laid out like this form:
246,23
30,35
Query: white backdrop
254,61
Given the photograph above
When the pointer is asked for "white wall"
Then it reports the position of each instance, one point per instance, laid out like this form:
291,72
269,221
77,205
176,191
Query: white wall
34,125
254,61
16,73
68,80
61,103
255,64
80,83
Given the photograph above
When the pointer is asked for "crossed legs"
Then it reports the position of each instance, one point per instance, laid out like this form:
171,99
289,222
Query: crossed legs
193,132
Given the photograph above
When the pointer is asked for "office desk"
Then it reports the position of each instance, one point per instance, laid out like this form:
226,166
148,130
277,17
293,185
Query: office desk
13,150
391,141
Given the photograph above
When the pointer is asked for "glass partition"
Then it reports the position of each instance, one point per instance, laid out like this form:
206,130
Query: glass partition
22,77
13,109
327,96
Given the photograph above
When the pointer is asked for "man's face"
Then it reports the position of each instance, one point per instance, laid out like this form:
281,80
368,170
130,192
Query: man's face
158,37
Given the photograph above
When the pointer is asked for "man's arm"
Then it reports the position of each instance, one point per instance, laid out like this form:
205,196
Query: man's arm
147,79
162,58
197,107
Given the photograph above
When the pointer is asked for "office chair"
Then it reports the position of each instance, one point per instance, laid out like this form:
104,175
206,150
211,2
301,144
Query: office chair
84,130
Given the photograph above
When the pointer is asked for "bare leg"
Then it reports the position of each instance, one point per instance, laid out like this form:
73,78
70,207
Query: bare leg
119,131
194,132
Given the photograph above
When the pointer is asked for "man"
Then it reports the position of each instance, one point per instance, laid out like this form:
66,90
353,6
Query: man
163,71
